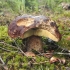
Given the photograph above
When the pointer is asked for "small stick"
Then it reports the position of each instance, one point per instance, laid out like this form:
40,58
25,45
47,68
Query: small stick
2,61
20,49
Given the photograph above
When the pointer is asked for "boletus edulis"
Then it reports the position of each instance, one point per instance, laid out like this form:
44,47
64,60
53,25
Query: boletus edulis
34,27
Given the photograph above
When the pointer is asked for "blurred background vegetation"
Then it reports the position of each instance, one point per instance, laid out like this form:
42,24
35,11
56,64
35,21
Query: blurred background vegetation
58,10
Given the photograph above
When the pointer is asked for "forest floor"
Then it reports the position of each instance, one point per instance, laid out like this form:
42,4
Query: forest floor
12,58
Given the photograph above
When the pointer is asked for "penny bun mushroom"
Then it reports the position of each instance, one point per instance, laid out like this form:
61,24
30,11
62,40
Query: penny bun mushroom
27,25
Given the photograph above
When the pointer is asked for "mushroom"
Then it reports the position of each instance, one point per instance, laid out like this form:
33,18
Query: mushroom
27,26
55,59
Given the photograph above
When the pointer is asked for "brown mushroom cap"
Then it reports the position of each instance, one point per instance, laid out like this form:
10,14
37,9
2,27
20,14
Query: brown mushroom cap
27,25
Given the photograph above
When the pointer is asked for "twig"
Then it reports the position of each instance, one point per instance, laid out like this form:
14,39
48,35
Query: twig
9,45
4,49
7,50
62,49
13,47
55,53
2,61
62,53
58,47
20,49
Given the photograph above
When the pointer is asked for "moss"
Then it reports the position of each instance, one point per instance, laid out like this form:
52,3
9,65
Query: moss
16,61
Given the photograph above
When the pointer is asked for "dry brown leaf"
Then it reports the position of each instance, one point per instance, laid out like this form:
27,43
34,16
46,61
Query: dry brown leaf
30,54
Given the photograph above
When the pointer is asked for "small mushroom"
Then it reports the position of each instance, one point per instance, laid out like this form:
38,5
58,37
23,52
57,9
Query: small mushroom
63,61
55,59
28,26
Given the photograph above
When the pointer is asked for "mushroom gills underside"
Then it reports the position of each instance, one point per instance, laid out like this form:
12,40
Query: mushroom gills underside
40,32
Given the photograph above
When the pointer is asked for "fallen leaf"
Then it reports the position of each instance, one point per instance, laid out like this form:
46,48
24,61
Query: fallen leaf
29,54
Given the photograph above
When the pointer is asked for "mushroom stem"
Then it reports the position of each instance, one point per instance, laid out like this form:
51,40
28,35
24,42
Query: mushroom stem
34,43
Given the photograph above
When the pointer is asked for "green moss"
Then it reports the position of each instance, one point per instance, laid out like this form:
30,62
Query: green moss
15,60
4,34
